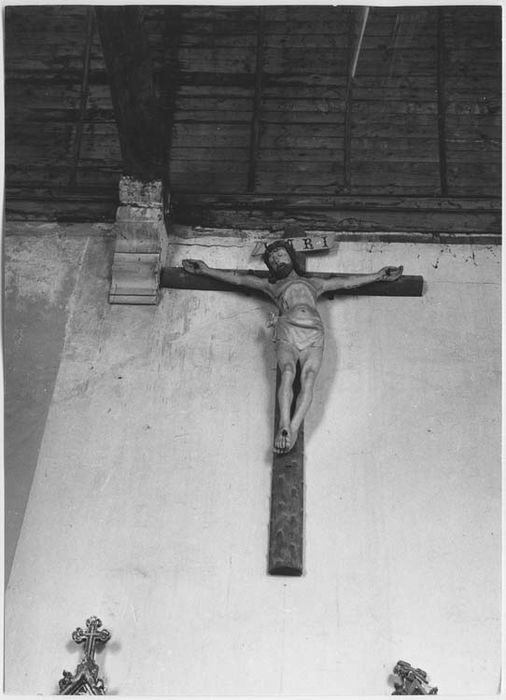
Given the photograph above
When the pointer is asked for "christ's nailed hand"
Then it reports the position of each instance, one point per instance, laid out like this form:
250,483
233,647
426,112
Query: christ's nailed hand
389,274
196,267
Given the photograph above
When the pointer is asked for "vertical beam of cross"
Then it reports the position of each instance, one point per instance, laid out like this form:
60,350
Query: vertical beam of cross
286,535
286,529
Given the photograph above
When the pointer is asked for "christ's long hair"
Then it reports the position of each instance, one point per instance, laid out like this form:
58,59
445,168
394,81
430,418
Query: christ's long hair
287,245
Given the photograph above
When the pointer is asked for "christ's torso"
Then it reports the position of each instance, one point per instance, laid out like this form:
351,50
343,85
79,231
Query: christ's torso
296,297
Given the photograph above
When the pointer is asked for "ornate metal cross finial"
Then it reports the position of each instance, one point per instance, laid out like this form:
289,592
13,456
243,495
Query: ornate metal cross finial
414,681
85,681
91,636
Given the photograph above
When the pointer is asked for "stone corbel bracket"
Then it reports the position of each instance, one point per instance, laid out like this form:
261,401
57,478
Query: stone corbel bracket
140,232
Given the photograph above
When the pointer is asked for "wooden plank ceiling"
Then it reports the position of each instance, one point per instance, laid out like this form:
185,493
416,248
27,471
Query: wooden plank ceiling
262,119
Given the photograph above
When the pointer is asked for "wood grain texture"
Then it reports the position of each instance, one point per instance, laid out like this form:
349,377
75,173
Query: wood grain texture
286,523
425,115
178,278
403,214
60,165
128,60
60,204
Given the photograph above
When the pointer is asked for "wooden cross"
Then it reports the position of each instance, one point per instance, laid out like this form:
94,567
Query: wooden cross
91,636
137,273
285,557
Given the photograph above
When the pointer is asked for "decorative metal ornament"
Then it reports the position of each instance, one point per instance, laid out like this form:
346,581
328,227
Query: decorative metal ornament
85,680
414,681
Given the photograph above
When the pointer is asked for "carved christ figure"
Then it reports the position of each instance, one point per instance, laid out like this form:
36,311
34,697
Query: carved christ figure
298,329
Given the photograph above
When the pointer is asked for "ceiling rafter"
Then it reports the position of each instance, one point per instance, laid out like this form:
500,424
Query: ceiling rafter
136,105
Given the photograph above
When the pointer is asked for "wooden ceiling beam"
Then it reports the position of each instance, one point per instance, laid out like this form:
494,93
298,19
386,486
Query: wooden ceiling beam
457,219
136,106
441,99
257,102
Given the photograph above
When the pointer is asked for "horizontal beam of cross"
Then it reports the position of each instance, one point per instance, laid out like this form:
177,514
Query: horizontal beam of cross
178,278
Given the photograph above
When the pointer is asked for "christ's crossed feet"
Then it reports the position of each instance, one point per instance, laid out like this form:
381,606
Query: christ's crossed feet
284,440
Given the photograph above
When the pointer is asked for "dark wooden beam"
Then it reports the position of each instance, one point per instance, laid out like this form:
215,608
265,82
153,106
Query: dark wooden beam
358,202
178,278
83,97
257,102
441,99
136,107
401,215
62,205
352,33
286,523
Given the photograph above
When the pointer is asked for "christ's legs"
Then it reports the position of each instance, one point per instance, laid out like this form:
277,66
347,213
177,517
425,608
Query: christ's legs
287,362
310,362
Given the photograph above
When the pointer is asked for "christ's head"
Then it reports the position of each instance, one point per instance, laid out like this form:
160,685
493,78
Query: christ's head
281,260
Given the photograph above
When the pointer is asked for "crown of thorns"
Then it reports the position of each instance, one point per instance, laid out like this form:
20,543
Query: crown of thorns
278,245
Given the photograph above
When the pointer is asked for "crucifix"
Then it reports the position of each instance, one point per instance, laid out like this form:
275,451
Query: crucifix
299,340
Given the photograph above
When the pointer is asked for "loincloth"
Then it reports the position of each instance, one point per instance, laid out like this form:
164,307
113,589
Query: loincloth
300,327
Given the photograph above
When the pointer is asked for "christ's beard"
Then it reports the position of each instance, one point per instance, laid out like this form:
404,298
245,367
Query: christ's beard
283,270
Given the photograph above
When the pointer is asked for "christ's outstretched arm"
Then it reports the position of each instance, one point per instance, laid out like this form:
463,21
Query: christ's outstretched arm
335,282
241,279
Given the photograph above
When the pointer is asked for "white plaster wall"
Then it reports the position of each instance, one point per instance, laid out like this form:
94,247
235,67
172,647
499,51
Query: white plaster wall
150,502
41,269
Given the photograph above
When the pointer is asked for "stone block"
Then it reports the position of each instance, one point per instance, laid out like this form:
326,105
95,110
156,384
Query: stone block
139,232
130,212
137,237
140,194
135,278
